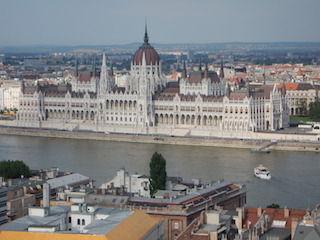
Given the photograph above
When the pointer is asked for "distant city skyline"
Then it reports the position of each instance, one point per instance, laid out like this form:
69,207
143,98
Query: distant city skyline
103,22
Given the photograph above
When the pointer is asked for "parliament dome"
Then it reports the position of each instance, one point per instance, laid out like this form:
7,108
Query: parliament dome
152,57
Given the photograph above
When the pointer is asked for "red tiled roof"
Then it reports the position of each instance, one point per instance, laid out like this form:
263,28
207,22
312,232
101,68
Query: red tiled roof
251,214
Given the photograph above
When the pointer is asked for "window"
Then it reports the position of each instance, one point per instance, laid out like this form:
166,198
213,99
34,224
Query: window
176,225
78,222
83,222
69,219
278,224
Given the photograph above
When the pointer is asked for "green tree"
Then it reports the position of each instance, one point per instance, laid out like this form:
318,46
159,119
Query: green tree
302,103
158,174
14,169
273,205
315,110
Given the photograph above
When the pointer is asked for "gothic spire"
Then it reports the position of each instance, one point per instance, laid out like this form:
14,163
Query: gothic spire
94,67
111,68
76,66
264,75
146,38
221,73
248,88
184,72
206,72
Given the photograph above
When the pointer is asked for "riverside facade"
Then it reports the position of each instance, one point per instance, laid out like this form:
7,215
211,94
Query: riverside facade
200,101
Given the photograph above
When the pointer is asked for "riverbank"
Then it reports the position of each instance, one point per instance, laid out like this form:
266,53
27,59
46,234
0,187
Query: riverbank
173,140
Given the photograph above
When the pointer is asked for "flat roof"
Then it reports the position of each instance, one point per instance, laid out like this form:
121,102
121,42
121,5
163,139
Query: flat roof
67,180
180,199
96,227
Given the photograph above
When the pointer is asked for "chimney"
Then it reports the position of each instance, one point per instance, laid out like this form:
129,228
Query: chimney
46,195
294,223
286,212
241,216
259,211
202,218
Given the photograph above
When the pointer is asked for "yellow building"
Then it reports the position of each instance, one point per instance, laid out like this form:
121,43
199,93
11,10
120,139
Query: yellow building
82,221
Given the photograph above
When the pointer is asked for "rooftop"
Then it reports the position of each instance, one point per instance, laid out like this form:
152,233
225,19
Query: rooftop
110,223
67,180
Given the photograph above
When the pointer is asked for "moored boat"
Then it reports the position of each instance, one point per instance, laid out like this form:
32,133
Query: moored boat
262,172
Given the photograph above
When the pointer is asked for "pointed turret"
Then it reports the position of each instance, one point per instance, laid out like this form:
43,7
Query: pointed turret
264,75
111,69
143,82
94,69
103,85
206,72
228,89
200,67
184,72
248,88
22,86
221,73
283,88
76,68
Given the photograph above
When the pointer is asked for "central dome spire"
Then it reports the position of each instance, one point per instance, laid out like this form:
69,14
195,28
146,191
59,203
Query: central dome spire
146,38
152,57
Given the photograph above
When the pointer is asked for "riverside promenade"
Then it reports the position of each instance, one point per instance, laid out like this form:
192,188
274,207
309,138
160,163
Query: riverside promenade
286,144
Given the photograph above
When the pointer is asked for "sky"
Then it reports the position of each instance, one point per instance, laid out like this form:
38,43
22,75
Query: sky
105,22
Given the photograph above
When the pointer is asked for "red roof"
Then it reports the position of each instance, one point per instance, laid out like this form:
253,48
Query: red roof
251,216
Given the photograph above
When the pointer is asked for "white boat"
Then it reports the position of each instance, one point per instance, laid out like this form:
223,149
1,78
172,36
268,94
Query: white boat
262,172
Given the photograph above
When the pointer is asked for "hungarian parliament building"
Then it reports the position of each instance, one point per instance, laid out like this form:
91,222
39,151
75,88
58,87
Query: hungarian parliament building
199,103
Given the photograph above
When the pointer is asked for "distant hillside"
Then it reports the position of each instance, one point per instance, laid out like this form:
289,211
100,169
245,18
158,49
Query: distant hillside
231,47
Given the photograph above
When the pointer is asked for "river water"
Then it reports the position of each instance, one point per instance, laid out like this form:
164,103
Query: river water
295,175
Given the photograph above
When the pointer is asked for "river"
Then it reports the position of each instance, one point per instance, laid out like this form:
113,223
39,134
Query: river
294,183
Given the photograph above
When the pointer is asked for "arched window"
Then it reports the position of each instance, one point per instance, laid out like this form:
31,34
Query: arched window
83,222
78,222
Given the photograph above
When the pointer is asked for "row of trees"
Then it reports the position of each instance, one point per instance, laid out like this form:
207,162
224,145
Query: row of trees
14,169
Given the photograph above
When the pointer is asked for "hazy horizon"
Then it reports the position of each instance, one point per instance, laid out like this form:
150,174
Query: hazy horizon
103,22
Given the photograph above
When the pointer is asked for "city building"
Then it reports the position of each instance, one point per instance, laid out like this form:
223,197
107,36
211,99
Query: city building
73,180
11,93
300,95
22,193
212,225
245,224
307,228
3,203
200,103
179,209
82,221
134,183
268,223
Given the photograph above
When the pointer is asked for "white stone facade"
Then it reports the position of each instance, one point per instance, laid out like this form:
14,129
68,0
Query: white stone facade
148,105
135,183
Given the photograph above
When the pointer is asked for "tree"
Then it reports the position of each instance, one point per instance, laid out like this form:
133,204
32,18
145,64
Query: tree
273,205
302,103
14,169
158,174
315,110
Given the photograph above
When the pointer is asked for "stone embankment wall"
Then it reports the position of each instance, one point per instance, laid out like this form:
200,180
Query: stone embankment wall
192,141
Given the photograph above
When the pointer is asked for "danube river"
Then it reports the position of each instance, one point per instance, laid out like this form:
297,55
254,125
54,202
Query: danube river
295,175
